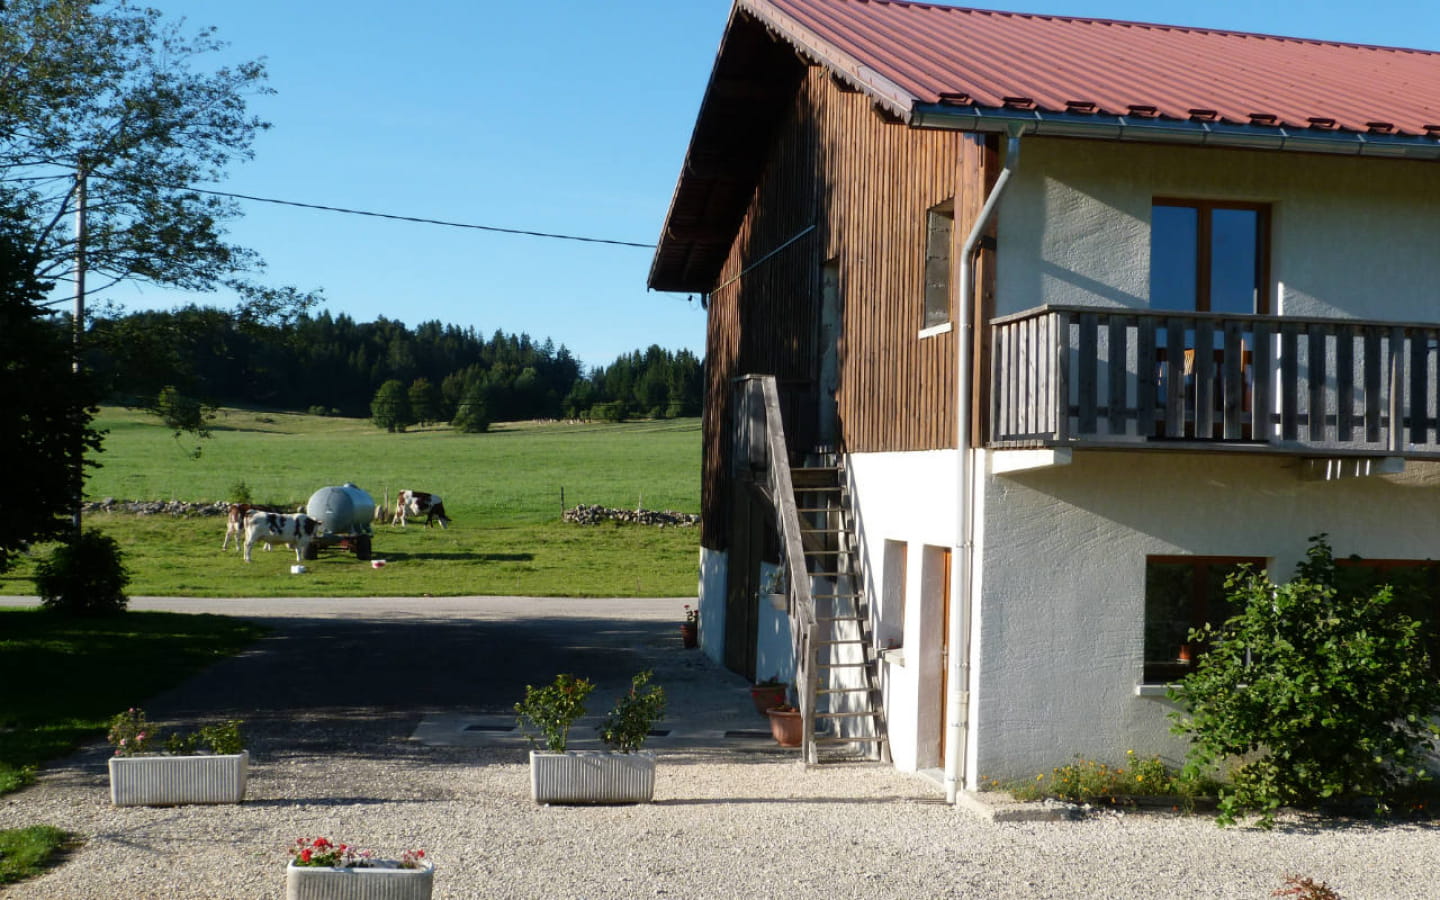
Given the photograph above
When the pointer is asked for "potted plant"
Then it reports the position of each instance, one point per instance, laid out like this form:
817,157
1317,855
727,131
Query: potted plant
622,774
786,725
768,693
209,766
690,628
322,869
772,588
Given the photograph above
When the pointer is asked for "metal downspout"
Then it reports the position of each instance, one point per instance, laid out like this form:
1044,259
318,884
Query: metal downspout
957,700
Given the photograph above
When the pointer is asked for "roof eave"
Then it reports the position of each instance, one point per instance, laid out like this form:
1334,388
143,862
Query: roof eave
1172,131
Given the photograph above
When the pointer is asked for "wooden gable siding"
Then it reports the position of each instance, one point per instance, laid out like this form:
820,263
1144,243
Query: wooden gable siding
866,184
896,389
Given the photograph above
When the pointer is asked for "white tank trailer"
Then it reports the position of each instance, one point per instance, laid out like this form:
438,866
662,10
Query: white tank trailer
345,513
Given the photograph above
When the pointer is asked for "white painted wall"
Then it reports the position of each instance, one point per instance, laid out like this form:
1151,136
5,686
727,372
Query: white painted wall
907,498
1350,237
714,566
1062,608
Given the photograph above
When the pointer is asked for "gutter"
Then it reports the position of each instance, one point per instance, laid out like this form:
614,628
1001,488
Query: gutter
1173,131
957,700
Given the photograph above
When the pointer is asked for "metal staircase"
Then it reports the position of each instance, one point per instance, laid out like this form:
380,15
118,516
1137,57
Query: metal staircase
843,685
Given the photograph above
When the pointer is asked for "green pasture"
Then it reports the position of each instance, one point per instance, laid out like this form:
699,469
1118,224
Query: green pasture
505,491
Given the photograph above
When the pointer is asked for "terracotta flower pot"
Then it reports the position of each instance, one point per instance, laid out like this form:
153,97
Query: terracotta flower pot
689,635
787,726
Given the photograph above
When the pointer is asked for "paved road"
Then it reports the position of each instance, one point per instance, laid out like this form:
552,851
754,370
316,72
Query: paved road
363,670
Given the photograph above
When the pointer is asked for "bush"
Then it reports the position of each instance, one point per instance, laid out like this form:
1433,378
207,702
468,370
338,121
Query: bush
628,724
240,493
552,709
1320,697
84,576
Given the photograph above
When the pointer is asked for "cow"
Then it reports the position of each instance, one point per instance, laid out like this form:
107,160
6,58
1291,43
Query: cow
235,521
297,530
419,503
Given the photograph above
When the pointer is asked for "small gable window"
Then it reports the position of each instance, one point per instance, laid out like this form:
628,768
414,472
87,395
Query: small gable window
939,234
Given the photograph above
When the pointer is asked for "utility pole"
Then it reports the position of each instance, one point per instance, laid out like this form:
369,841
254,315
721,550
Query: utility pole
78,327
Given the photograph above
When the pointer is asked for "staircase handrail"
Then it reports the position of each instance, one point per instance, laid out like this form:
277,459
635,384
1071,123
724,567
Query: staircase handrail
802,603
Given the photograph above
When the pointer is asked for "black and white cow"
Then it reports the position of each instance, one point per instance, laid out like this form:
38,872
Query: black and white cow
235,521
297,530
419,503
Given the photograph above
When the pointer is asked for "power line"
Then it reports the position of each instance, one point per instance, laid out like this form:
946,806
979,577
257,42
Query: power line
423,221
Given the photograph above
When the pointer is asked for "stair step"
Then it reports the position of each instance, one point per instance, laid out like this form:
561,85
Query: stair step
825,665
837,596
839,618
859,690
841,642
863,739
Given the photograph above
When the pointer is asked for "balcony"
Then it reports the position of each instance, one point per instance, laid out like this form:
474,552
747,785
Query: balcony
1110,377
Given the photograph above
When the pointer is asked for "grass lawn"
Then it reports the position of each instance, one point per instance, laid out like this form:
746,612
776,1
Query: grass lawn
25,852
503,489
67,677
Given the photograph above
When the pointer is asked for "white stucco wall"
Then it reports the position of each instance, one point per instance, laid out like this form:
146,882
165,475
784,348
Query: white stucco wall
1349,237
1062,608
907,499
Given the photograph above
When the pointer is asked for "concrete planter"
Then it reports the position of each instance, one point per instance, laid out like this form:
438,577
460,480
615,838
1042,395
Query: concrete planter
592,776
173,780
324,883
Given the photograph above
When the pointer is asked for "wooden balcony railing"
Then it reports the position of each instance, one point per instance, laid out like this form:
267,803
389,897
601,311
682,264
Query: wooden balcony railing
1105,376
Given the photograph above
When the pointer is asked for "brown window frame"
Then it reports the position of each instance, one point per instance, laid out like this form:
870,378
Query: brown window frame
1164,671
1204,246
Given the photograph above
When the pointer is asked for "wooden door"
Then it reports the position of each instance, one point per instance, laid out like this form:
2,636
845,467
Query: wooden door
742,610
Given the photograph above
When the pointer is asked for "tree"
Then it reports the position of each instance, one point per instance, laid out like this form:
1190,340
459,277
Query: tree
117,91
1321,695
471,415
45,407
390,409
182,414
424,401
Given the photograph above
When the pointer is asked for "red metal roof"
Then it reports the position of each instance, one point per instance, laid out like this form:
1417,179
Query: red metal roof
952,67
929,53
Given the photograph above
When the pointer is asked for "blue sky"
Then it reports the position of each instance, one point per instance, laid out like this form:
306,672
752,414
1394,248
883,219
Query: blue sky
543,115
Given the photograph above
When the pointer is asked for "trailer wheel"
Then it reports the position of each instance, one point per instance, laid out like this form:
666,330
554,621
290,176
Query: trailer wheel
362,547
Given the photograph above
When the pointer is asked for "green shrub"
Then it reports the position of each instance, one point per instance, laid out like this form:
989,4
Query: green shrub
84,576
1089,781
552,709
628,724
239,493
1313,695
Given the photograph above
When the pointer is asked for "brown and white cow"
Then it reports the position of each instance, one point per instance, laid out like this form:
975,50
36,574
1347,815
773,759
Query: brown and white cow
235,521
419,503
297,530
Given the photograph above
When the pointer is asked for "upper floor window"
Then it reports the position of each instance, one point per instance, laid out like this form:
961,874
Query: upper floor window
939,232
1209,256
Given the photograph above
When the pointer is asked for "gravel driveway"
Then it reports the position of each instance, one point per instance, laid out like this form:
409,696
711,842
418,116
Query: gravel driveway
733,817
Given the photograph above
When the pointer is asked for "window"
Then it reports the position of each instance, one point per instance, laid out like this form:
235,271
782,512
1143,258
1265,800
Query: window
1209,256
939,232
1181,593
1416,586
